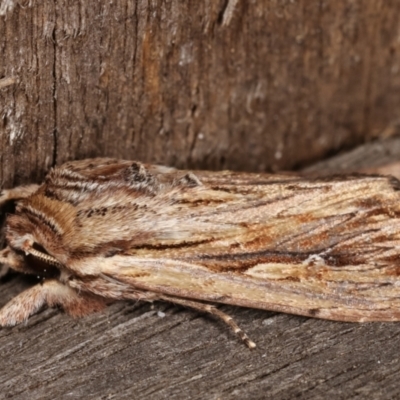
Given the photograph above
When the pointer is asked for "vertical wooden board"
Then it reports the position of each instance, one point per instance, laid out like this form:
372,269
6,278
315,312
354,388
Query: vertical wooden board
251,85
384,88
358,70
27,112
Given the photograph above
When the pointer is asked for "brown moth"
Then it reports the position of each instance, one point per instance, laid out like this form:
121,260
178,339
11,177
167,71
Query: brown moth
102,230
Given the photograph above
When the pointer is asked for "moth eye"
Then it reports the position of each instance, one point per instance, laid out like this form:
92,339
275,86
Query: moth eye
190,180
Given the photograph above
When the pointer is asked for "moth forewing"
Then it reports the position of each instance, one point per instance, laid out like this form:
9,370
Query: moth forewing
114,229
342,297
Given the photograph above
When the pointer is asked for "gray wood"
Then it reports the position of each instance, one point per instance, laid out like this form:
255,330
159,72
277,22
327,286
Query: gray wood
370,157
220,84
249,85
130,352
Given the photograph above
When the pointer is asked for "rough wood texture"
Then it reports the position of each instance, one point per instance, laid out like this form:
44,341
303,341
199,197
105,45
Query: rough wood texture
220,84
372,157
251,85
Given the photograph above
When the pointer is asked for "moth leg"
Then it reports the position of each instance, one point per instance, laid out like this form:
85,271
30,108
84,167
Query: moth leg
51,292
4,269
9,259
207,308
10,195
20,192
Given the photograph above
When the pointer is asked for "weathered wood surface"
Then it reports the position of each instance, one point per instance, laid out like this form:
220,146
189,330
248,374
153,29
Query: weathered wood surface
374,157
221,84
249,85
130,351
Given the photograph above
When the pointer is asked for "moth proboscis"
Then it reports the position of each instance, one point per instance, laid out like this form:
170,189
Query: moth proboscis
101,230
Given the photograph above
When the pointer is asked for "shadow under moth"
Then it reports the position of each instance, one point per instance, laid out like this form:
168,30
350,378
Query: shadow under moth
101,230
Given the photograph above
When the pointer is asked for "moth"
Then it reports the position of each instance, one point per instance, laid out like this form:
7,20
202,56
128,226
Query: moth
101,230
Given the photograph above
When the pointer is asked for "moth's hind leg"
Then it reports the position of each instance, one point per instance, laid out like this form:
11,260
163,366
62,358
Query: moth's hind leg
51,293
207,308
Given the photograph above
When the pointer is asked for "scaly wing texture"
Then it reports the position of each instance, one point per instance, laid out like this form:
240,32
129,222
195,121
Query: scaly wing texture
322,247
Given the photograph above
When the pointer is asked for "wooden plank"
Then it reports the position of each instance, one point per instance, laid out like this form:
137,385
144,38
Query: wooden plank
258,86
374,157
128,351
224,84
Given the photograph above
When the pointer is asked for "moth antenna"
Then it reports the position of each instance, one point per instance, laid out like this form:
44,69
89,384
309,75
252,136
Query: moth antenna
47,258
207,308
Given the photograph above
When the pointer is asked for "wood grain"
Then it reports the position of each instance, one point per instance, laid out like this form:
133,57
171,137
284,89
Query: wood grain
221,84
130,351
262,85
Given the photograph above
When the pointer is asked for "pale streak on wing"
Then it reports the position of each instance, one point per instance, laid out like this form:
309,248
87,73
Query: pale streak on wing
365,299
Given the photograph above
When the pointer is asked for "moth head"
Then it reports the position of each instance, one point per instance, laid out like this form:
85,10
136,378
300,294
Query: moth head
31,242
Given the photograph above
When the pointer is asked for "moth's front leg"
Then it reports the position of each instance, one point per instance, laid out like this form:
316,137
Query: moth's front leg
9,195
20,192
51,293
9,259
